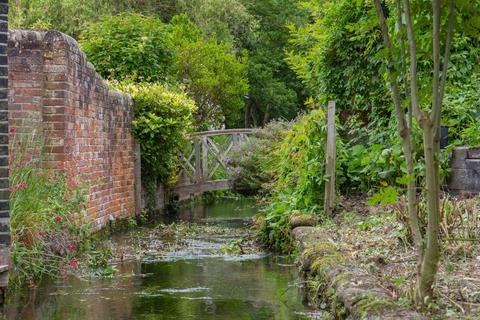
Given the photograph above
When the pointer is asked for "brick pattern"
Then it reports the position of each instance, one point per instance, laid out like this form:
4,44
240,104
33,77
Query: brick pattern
87,127
4,131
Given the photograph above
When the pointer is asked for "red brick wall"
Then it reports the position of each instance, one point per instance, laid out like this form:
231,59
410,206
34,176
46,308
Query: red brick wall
87,126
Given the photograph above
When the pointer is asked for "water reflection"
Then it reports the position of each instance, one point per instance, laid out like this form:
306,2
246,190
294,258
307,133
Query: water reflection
257,287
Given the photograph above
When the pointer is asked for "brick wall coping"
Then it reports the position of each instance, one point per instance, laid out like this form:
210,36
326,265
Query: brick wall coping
30,39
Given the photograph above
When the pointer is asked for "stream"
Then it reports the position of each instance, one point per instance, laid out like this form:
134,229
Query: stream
193,281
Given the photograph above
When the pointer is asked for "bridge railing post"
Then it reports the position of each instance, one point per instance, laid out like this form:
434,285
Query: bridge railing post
204,156
235,139
205,159
198,160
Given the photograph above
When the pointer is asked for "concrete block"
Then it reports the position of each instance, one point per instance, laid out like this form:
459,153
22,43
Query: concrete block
473,153
464,180
458,157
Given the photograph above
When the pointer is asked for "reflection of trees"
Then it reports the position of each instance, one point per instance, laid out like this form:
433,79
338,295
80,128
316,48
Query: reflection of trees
78,299
255,289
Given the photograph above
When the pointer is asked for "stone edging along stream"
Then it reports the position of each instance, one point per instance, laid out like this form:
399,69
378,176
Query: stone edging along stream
350,291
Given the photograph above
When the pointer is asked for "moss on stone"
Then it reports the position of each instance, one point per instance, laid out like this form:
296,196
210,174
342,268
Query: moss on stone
371,305
303,220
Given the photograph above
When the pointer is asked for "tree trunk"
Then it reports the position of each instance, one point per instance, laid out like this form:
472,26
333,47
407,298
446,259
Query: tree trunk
247,114
404,131
431,256
266,117
253,112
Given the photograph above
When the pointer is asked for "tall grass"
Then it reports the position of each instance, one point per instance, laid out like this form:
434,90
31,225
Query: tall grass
46,210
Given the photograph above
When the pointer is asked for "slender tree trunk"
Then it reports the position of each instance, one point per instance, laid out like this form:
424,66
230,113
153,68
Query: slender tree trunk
404,133
247,114
431,256
266,117
430,124
253,112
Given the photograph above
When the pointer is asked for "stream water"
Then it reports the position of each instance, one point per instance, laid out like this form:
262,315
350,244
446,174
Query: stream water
187,284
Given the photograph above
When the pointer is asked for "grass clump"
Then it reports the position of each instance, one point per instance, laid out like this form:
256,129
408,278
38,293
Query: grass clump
50,234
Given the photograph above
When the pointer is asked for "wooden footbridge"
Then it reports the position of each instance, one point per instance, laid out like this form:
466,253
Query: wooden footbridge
206,164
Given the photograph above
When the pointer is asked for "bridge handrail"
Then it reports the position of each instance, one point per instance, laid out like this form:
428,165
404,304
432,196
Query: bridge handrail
222,132
200,162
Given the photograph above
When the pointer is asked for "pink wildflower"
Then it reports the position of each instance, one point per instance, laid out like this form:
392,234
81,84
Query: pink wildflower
12,130
74,264
23,186
58,219
71,247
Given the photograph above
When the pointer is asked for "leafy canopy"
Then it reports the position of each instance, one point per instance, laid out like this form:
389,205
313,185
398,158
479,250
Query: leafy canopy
129,46
211,72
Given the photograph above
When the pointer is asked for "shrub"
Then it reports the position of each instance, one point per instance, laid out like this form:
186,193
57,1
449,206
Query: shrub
129,46
163,117
299,185
255,159
372,166
462,113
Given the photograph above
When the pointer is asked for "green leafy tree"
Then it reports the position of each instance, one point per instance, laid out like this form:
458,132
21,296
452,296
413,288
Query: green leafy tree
428,244
72,17
130,46
275,91
211,72
335,54
227,20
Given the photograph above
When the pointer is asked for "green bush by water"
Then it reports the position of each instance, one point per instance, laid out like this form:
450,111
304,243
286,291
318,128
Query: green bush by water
298,161
163,117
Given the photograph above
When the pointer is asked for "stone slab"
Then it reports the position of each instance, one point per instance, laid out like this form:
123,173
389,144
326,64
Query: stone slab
473,153
458,157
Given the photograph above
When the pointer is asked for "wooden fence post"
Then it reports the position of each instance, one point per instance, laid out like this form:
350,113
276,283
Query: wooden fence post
330,160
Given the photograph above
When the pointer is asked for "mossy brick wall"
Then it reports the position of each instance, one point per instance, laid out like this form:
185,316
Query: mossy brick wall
4,132
87,127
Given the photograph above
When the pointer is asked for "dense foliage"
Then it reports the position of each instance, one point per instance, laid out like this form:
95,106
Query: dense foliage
163,117
298,161
255,161
211,72
129,46
123,43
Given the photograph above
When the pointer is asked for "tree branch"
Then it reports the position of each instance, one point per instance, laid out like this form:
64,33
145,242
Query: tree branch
421,117
448,46
403,130
403,57
436,60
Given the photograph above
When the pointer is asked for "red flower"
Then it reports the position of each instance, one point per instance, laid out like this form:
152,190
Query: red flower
71,247
58,219
23,186
12,130
74,264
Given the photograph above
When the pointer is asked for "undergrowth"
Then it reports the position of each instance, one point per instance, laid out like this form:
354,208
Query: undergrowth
51,235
